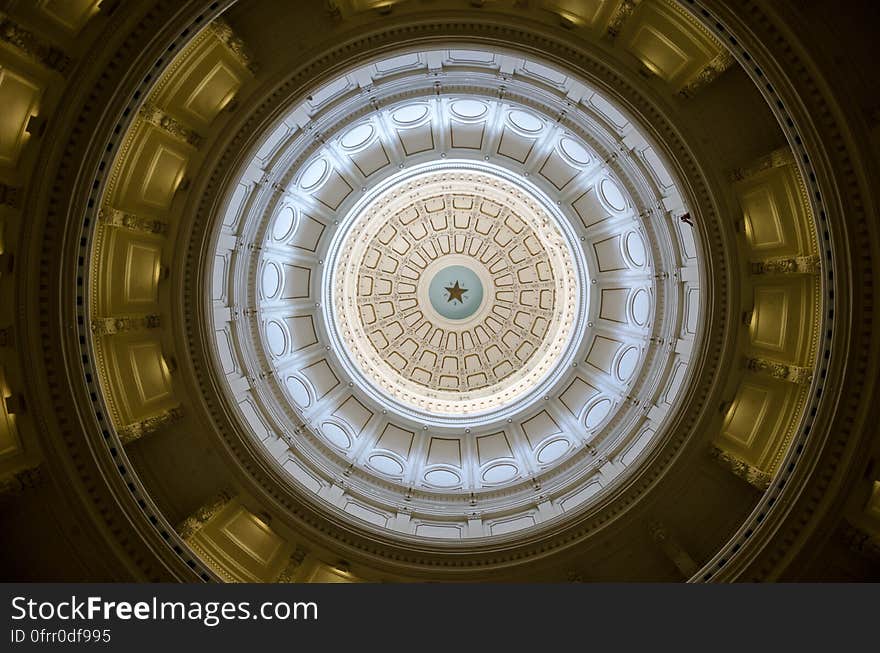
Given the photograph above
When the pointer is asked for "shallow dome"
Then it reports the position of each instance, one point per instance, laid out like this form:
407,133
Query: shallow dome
465,308
455,291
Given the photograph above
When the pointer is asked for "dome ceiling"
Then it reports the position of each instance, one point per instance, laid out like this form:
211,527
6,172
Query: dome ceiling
467,309
404,296
456,294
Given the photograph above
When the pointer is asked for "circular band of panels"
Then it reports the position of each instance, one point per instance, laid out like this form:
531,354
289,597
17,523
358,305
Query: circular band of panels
625,340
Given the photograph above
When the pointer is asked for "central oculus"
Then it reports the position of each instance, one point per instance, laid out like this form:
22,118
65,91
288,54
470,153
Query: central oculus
454,291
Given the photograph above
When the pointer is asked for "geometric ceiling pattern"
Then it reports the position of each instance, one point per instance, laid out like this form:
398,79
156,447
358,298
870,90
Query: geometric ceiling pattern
517,305
547,202
458,321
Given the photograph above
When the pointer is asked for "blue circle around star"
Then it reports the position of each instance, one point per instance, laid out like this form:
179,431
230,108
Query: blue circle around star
456,292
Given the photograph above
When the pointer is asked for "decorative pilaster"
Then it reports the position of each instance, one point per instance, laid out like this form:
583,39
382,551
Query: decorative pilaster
288,574
620,16
708,73
33,46
170,125
195,522
792,265
673,550
136,430
223,31
21,481
117,218
790,373
776,159
108,326
751,475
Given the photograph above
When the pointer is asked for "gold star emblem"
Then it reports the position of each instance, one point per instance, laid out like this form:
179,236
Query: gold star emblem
455,292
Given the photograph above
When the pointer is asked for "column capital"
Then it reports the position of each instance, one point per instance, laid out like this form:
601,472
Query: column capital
288,574
778,158
170,125
620,16
234,43
136,430
752,475
781,371
858,540
708,73
108,326
22,480
116,218
33,46
203,514
791,265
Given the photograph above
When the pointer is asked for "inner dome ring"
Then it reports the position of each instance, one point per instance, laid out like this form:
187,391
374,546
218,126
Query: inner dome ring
563,270
592,408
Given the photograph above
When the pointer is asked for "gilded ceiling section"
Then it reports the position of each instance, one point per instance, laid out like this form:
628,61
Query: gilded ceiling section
781,323
139,216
